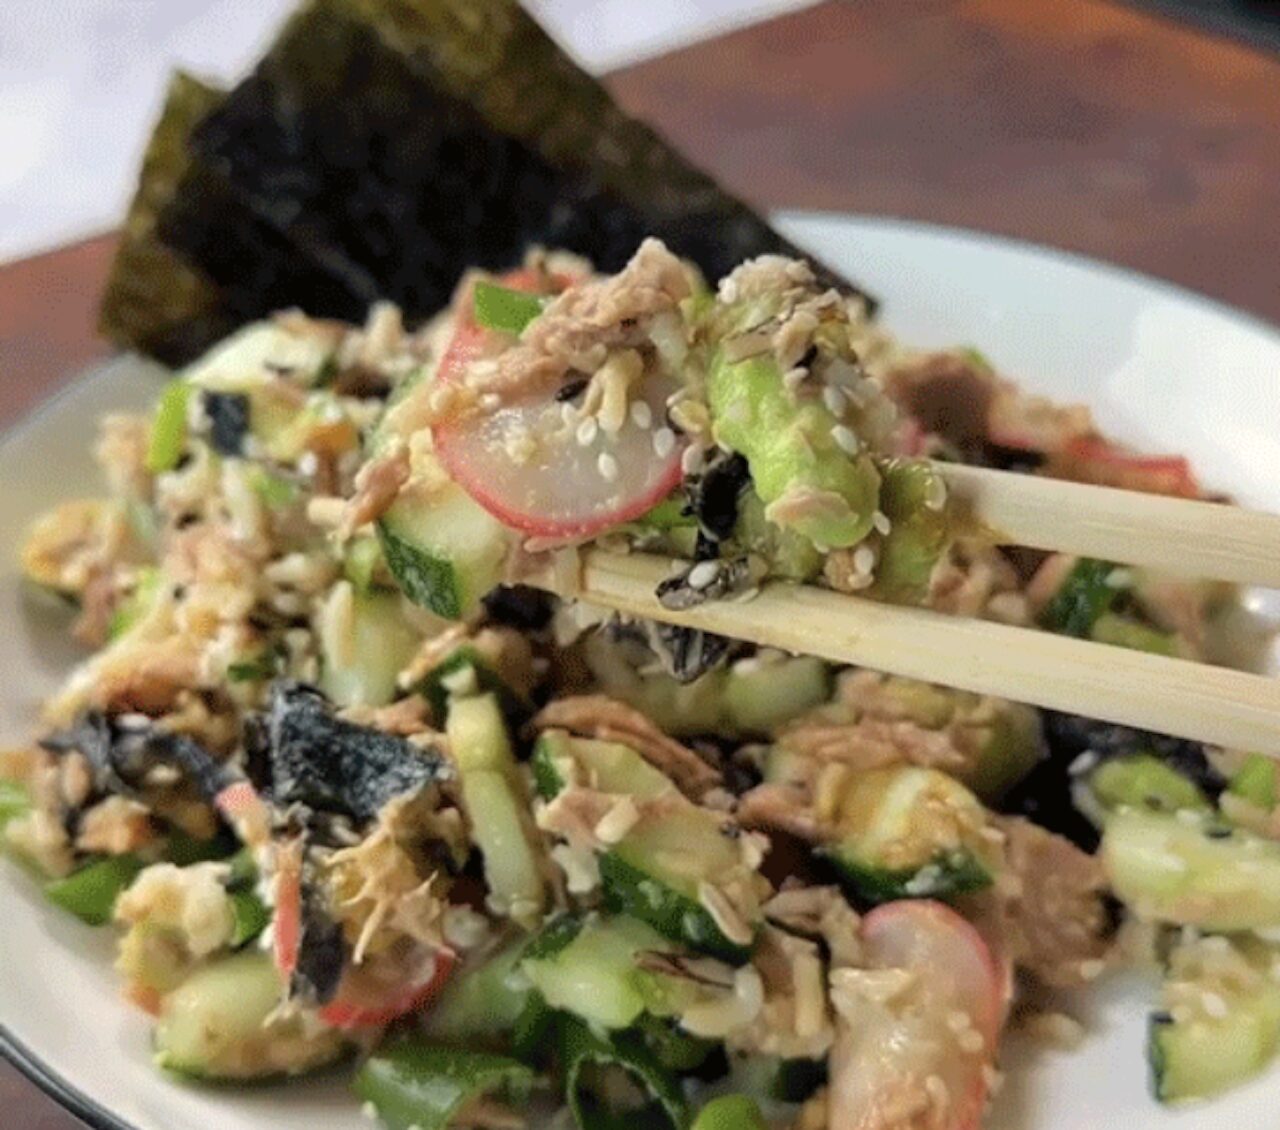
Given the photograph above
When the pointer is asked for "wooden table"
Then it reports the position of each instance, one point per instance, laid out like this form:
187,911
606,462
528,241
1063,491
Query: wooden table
1089,126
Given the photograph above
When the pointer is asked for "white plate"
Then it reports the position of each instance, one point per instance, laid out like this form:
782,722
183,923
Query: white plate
1160,366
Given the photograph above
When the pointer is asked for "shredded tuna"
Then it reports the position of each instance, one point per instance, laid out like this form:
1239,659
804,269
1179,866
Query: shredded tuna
598,716
377,484
1053,900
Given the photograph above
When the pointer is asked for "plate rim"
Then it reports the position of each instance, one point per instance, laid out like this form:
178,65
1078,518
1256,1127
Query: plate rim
97,1116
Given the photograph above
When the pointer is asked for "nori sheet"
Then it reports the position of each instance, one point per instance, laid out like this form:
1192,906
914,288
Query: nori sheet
379,149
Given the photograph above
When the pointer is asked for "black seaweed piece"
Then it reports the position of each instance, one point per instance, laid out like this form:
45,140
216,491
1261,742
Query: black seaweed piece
686,653
713,495
398,143
332,766
519,606
228,414
123,753
322,948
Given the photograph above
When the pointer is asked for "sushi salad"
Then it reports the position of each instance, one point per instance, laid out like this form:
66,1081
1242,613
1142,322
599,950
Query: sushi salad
355,796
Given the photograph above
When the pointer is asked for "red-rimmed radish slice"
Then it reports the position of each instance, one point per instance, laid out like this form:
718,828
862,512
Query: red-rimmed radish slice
286,933
364,1003
537,468
918,1053
1096,461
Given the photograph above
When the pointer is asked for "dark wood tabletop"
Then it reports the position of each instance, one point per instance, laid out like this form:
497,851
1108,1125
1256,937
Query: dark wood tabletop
1090,126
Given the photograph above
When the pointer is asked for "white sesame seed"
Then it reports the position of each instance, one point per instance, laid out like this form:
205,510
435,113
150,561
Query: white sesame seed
489,401
845,439
607,465
793,378
864,560
664,442
587,431
880,520
835,400
641,414
569,414
691,460
703,573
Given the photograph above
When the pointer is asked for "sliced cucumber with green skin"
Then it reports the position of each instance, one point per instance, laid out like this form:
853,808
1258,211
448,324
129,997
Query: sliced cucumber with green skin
444,549
1255,782
498,809
610,767
467,669
363,562
1122,631
1192,871
673,1047
360,661
655,871
216,1025
588,1059
594,976
482,1002
412,1083
908,832
1086,594
168,434
137,604
91,892
1143,782
759,696
730,1112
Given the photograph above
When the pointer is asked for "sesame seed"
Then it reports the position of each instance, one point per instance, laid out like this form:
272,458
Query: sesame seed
703,573
1214,1006
489,401
792,378
691,460
641,414
664,442
880,520
835,400
864,559
569,414
971,1041
845,439
607,465
587,431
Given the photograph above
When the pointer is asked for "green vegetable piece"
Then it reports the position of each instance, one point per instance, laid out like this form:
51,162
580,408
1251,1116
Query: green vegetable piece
442,681
508,311
15,801
1121,631
669,514
185,850
412,1083
730,1112
1084,596
255,670
1255,781
169,428
806,480
90,893
977,358
276,492
1145,782
672,1046
251,918
363,562
553,938
137,604
587,1059
484,1001
918,532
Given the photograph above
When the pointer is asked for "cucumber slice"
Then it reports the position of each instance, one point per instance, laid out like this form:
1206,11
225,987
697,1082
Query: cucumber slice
501,826
483,1001
444,549
594,975
362,657
91,892
908,832
759,696
1192,870
466,672
654,874
411,1083
1255,782
730,1112
610,767
1144,782
15,801
1086,594
215,1025
1224,1023
594,1064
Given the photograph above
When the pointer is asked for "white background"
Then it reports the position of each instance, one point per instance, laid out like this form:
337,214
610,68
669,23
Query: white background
80,82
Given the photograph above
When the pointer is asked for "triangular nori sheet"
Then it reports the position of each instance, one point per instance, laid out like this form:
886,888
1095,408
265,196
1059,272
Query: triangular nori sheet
171,302
384,146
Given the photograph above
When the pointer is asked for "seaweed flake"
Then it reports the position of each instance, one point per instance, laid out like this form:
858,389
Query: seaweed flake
228,414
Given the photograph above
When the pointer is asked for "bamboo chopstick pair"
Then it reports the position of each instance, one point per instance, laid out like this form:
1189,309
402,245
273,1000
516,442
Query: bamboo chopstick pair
1153,692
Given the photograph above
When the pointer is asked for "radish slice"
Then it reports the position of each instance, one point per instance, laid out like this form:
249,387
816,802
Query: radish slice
536,468
363,1003
1098,462
286,931
919,1057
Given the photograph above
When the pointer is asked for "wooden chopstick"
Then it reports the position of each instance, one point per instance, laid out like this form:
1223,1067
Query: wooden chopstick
1152,692
1176,535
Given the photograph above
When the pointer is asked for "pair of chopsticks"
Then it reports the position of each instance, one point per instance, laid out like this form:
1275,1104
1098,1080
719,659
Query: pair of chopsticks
1152,692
